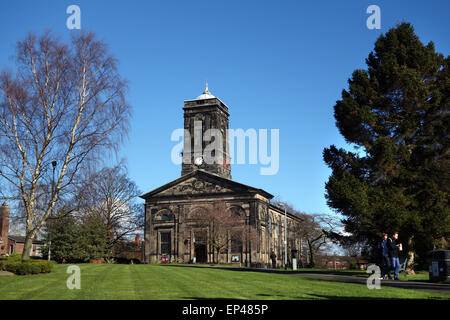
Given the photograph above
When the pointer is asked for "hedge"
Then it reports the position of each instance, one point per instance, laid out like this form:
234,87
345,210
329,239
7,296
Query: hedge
26,266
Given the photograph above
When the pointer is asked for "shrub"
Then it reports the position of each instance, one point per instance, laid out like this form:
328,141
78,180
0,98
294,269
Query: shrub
12,266
353,266
44,266
15,256
26,266
2,264
110,261
23,268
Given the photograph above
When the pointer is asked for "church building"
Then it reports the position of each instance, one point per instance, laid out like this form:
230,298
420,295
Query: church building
172,230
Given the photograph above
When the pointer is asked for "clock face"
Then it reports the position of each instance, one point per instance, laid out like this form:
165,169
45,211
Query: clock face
198,161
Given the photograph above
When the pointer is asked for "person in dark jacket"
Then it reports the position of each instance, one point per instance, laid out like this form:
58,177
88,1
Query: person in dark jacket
383,255
273,256
394,249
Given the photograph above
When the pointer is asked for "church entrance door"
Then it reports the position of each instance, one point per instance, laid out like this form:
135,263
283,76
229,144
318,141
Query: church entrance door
200,247
200,253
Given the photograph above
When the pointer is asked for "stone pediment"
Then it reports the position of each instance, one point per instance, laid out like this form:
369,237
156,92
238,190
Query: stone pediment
199,183
194,186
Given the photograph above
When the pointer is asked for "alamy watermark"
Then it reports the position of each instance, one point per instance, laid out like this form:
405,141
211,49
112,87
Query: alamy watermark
374,20
374,280
208,147
74,281
74,20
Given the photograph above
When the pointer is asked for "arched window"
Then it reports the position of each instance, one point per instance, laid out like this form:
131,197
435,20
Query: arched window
236,211
197,212
164,215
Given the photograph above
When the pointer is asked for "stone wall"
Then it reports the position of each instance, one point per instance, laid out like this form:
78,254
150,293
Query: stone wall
172,216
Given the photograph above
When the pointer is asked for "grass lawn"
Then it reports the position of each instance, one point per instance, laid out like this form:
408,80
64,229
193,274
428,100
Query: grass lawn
154,282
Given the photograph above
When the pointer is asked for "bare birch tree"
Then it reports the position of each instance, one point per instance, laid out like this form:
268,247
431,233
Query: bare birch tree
64,103
111,195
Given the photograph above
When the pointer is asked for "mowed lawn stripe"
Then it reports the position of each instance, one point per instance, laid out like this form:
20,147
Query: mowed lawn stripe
249,285
41,286
184,283
93,278
232,284
207,283
152,283
33,288
112,282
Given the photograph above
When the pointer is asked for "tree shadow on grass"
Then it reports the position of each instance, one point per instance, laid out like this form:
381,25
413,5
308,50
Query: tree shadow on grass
229,268
334,297
209,298
356,273
313,297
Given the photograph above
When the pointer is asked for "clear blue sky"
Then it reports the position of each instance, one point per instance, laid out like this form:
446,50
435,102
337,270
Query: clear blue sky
276,64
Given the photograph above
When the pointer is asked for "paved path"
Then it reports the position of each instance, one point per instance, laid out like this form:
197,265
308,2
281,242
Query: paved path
415,285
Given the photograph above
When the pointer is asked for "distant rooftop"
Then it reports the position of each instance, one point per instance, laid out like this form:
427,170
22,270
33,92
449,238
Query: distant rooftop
21,239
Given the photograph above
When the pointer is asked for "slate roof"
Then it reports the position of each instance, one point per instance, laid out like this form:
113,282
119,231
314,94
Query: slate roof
21,239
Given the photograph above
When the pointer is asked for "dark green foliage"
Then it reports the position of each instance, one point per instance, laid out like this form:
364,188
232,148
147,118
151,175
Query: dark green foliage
396,113
43,266
15,255
66,240
353,266
75,241
12,266
21,266
27,268
96,238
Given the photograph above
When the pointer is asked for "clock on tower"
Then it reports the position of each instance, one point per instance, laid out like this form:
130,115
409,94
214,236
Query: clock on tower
203,113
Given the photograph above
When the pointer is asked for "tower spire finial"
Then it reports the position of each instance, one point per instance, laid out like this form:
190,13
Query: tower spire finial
206,88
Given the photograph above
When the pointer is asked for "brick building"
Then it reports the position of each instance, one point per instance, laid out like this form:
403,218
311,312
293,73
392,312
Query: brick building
171,232
4,228
13,243
125,251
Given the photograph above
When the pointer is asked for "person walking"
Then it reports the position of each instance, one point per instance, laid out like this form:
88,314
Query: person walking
383,255
273,257
394,249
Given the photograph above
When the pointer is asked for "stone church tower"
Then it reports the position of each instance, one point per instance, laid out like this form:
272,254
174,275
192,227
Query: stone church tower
204,113
172,231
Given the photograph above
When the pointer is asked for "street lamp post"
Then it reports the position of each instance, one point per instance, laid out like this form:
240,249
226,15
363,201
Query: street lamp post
285,234
53,194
